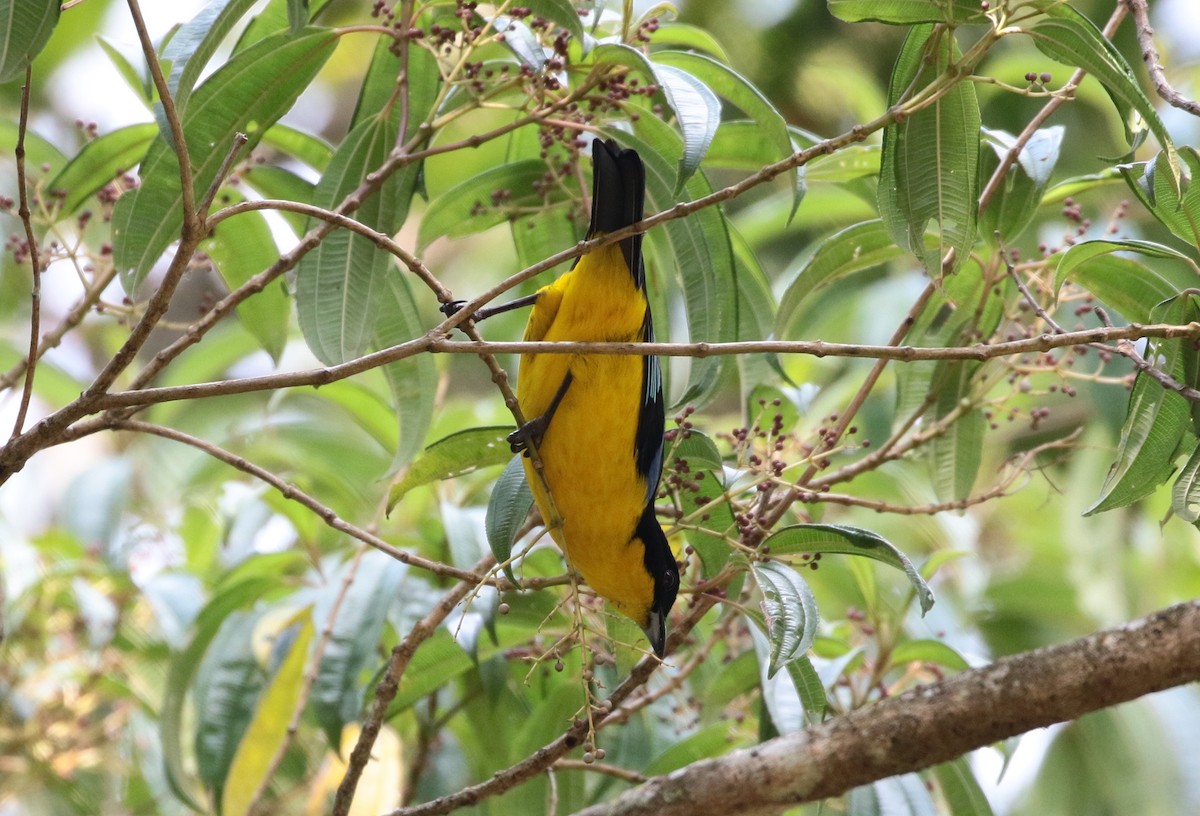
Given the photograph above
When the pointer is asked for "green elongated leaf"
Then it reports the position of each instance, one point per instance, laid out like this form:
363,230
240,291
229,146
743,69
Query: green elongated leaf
696,107
25,28
1065,35
850,163
949,317
194,44
341,283
789,610
702,457
454,455
241,247
907,12
743,145
958,452
353,644
138,81
560,12
735,88
245,95
1185,493
961,789
1077,185
508,506
928,177
297,11
521,40
740,144
794,698
709,741
273,19
98,163
228,683
854,249
755,315
1156,186
184,665
490,198
682,35
312,150
809,687
413,380
697,450
1130,287
378,93
1016,201
694,251
439,660
928,651
269,727
697,112
1155,420
839,538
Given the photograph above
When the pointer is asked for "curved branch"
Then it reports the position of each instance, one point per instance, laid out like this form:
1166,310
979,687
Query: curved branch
1145,37
932,724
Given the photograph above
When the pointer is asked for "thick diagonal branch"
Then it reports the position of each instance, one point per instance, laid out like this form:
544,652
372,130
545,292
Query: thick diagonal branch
932,724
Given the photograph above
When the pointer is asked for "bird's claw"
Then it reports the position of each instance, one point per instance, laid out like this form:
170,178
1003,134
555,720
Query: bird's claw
452,308
520,440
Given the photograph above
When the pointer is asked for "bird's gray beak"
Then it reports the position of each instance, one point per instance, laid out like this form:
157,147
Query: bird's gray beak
656,631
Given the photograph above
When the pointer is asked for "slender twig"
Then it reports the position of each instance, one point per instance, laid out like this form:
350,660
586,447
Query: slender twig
174,123
1145,37
616,771
385,692
239,141
403,85
35,260
310,679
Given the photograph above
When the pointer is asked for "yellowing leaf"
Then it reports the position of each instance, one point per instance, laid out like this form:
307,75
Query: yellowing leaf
268,729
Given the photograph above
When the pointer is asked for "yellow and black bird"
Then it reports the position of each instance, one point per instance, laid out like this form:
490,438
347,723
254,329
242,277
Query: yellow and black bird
597,420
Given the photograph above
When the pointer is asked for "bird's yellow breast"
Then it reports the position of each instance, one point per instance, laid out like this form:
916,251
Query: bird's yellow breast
588,448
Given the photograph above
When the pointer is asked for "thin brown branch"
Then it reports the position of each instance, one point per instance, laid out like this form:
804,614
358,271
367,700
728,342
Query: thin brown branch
814,348
35,259
615,771
239,141
385,692
932,724
191,221
1145,37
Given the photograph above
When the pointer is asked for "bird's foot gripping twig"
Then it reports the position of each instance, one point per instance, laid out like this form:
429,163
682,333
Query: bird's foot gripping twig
528,435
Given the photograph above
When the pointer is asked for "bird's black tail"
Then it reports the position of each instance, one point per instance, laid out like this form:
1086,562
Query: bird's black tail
618,197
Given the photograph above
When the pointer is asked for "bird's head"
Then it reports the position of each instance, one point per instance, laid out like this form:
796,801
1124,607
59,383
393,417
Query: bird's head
660,564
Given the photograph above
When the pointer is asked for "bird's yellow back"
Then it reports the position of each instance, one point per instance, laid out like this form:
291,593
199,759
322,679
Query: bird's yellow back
601,446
